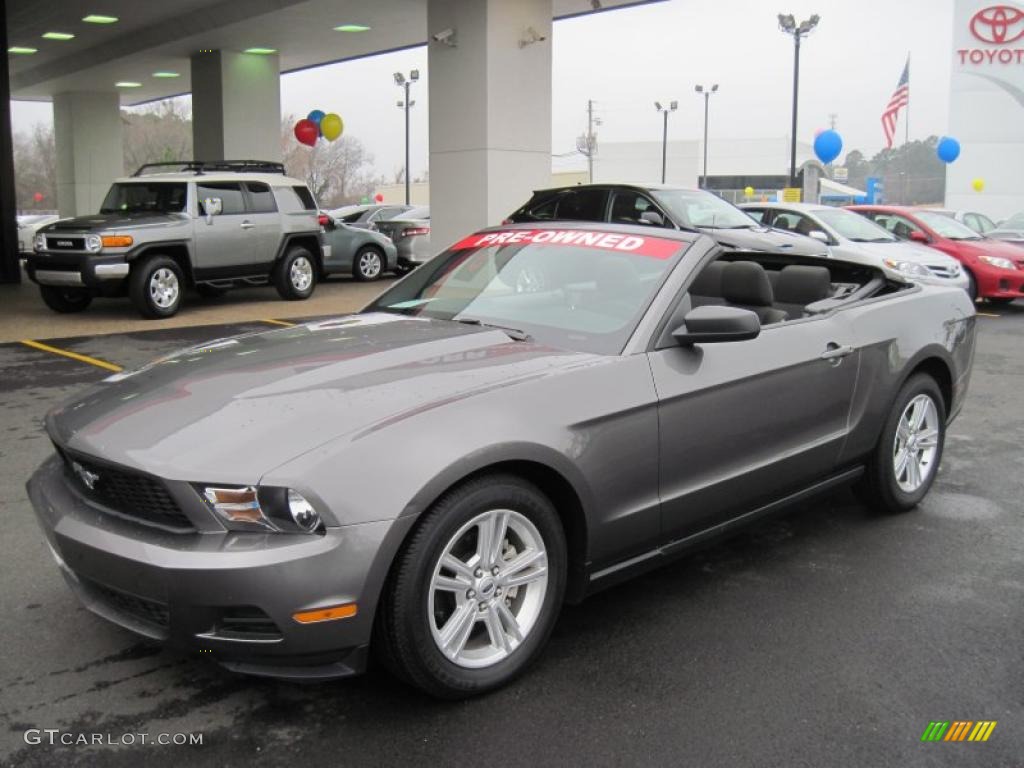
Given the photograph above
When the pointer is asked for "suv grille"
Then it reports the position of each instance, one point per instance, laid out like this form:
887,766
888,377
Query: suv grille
127,492
942,270
148,611
65,243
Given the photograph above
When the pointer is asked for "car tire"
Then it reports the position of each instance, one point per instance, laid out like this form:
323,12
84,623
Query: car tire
369,264
295,274
972,286
156,285
1001,301
65,300
889,483
208,291
423,595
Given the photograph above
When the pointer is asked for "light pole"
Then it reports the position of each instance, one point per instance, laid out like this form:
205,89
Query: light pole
404,82
673,105
706,92
788,25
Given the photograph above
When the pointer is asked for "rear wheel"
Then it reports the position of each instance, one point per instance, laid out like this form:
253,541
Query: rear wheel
65,300
155,285
906,460
368,264
475,592
295,275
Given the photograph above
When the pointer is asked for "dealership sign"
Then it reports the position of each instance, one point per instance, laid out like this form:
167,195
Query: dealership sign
994,31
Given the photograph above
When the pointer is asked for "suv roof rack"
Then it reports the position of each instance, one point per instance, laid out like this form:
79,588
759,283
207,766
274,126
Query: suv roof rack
199,167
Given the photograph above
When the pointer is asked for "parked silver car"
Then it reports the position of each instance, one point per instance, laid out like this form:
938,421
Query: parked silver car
978,222
856,238
1011,230
410,233
357,251
367,216
436,475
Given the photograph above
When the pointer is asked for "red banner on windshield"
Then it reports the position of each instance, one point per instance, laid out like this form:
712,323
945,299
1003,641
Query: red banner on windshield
653,247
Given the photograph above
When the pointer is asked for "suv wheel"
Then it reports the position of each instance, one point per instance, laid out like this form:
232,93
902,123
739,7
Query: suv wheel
155,285
368,264
295,274
474,594
65,300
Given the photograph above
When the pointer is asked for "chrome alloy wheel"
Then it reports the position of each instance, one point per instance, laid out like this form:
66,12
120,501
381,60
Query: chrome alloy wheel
916,444
301,273
164,288
487,588
369,264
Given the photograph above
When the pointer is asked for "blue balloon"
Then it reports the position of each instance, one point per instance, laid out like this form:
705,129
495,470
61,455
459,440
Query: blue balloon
828,145
315,116
948,149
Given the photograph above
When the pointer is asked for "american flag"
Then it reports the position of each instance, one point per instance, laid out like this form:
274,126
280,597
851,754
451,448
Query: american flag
900,98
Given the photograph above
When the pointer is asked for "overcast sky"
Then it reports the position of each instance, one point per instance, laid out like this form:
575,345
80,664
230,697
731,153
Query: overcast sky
627,59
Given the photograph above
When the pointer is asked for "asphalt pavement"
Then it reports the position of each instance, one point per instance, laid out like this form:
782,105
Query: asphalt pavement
828,637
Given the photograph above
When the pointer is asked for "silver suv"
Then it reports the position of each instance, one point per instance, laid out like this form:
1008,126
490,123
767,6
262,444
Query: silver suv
211,226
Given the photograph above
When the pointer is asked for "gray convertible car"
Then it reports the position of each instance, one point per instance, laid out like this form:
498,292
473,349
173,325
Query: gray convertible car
435,476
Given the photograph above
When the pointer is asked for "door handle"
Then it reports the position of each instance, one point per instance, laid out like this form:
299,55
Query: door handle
835,352
247,225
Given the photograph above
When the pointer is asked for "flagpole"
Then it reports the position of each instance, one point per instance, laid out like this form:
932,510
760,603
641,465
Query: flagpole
906,141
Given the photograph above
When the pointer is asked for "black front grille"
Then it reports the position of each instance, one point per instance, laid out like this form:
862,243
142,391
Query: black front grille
247,622
148,611
129,493
65,243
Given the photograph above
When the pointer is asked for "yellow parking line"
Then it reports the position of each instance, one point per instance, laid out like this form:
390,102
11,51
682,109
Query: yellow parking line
73,355
285,323
986,314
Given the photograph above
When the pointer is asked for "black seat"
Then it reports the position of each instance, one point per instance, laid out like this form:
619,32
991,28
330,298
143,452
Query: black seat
745,285
799,286
707,286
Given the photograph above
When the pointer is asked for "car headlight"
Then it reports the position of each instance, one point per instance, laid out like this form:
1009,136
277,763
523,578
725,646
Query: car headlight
263,509
909,268
995,261
39,243
93,243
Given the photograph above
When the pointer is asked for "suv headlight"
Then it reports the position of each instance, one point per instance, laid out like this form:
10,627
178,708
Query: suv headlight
93,243
909,268
39,243
996,261
249,508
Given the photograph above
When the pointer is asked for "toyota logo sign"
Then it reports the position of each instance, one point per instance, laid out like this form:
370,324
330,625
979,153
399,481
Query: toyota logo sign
999,24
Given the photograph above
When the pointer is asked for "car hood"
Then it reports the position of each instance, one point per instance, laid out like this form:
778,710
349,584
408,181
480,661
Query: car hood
991,247
235,408
906,251
106,221
765,239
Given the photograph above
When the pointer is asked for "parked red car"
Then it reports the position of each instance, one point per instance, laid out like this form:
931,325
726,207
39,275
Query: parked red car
996,268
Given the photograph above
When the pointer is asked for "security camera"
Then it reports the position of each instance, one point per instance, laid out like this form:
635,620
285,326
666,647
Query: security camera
445,37
531,36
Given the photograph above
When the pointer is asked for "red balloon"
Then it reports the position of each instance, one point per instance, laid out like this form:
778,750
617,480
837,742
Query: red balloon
38,197
379,197
307,132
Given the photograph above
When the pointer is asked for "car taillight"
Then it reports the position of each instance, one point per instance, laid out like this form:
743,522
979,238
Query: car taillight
415,231
322,219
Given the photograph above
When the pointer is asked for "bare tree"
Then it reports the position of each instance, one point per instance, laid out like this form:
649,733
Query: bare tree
160,132
35,169
337,172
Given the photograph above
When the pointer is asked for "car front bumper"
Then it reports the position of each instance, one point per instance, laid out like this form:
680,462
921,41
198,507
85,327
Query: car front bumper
996,283
188,590
82,270
961,281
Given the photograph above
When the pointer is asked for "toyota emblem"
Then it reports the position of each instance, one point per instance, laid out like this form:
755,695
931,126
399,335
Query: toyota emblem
999,24
88,478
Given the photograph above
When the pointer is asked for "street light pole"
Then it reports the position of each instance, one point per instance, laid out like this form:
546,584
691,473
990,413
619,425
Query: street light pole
706,92
403,82
798,31
664,134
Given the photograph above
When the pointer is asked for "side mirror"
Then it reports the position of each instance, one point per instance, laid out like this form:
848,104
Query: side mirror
213,207
652,217
820,236
918,236
709,324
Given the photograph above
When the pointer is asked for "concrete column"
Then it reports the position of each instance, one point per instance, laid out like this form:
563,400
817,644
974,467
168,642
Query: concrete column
490,111
90,153
236,106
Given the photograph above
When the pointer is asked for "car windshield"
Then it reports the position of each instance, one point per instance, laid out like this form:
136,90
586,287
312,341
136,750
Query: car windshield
695,209
145,197
947,227
854,227
573,289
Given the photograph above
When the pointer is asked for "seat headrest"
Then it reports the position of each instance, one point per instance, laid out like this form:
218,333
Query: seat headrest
800,284
709,281
745,282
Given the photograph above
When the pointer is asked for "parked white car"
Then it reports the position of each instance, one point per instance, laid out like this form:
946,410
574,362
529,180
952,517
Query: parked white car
853,237
28,225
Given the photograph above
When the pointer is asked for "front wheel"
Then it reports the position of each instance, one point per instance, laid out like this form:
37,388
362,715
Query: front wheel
906,460
972,286
65,300
368,264
474,594
155,286
295,275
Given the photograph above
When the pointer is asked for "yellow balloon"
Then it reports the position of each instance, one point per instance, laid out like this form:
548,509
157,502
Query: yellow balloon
331,126
749,191
978,184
